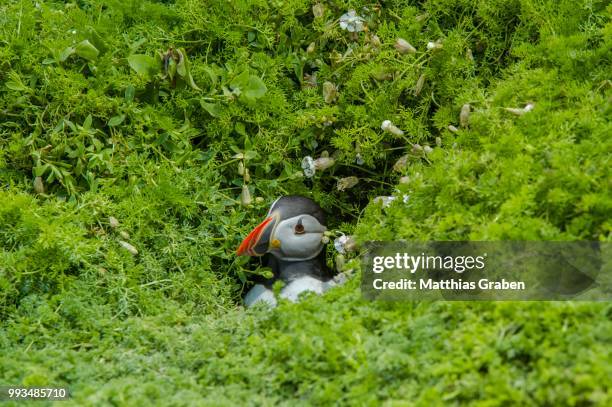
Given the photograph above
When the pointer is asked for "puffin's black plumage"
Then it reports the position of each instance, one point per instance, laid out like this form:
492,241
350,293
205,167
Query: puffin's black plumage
289,271
295,205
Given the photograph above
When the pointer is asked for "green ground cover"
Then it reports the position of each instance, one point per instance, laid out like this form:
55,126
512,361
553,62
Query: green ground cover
183,120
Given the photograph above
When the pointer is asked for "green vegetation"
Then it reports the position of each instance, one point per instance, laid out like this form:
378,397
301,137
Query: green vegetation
141,126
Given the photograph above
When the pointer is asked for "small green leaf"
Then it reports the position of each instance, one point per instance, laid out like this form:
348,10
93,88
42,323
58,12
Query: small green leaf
130,91
172,68
240,128
181,67
86,49
255,88
212,108
65,54
116,120
87,123
144,65
16,86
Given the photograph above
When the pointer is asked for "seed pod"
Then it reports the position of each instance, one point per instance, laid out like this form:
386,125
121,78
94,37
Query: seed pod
422,17
438,141
311,48
350,245
124,235
388,126
375,41
247,175
325,239
404,180
469,55
382,75
113,222
323,163
245,196
515,111
318,10
310,81
519,112
434,45
39,187
427,149
417,148
419,85
453,128
128,247
464,116
330,92
404,47
401,164
340,262
346,183
240,168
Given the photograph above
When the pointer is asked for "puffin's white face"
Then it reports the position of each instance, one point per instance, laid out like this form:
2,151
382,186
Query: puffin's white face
294,239
297,238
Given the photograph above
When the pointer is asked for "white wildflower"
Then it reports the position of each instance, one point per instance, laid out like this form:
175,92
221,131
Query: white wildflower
358,159
308,166
351,22
385,200
340,243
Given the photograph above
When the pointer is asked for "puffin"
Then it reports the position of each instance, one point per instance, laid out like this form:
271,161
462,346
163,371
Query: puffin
291,239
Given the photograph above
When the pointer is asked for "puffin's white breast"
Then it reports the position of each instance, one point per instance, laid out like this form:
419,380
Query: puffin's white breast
293,290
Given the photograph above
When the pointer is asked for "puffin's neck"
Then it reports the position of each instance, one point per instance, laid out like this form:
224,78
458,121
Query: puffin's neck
315,267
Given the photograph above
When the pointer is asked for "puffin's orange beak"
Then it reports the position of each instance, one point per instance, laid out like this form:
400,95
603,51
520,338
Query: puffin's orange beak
259,239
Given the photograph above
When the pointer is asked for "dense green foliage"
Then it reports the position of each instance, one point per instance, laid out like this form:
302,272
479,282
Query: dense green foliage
147,112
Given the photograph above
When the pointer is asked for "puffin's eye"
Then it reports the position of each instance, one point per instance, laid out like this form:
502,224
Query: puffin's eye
299,228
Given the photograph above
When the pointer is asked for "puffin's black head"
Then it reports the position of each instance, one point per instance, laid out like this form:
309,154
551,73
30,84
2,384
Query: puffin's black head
292,231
